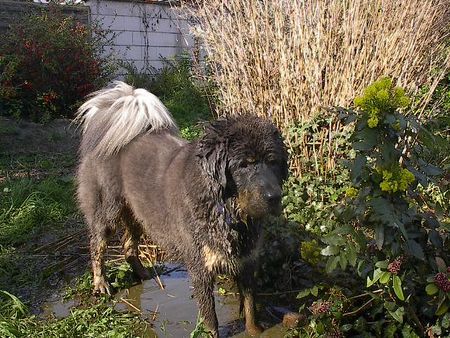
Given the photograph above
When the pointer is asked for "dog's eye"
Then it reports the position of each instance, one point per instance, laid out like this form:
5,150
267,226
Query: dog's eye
272,163
248,161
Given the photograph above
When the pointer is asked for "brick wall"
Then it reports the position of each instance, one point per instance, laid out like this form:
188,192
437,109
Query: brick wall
143,31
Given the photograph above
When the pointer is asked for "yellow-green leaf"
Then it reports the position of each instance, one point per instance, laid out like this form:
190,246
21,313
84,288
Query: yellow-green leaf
431,289
397,284
385,277
442,309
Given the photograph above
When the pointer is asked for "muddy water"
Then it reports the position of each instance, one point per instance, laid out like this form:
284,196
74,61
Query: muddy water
173,311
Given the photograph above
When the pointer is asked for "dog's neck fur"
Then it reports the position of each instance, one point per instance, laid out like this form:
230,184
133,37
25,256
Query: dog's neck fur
220,225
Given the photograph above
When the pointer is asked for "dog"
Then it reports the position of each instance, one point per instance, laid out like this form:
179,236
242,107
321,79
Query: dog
202,201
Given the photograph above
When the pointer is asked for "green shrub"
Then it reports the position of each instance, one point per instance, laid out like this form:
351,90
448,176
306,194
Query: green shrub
184,95
48,63
384,232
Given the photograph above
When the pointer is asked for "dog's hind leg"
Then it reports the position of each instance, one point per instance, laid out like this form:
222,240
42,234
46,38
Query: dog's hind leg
98,245
133,232
101,208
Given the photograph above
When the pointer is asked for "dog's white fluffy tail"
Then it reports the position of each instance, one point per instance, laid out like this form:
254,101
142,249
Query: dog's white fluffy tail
112,117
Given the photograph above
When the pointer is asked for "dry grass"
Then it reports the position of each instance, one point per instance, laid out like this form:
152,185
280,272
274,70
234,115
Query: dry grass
287,58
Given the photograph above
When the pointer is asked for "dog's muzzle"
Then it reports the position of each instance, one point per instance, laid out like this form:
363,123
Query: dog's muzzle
273,200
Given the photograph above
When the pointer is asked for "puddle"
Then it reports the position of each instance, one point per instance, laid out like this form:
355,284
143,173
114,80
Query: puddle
173,311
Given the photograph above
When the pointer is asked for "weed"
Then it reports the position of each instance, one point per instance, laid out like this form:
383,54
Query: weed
99,320
27,206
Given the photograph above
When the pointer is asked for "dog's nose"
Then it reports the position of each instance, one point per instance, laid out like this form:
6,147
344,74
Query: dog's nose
273,198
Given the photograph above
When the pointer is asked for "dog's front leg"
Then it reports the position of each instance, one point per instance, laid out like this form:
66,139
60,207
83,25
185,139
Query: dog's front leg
203,284
246,281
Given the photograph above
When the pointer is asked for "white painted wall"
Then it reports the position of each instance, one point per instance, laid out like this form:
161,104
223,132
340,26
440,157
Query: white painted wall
144,32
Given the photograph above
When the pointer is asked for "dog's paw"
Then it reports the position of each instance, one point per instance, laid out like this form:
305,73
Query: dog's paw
142,273
254,330
101,286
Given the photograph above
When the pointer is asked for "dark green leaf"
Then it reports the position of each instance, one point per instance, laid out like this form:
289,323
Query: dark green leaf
343,262
379,235
442,266
330,250
357,168
303,293
383,211
351,254
416,249
430,169
331,264
435,238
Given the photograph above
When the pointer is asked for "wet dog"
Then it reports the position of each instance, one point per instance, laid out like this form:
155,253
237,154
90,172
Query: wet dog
203,201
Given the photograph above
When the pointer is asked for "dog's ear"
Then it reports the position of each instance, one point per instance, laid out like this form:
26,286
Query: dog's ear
212,149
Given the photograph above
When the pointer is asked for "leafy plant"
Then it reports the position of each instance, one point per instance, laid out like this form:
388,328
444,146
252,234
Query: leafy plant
48,63
382,231
186,97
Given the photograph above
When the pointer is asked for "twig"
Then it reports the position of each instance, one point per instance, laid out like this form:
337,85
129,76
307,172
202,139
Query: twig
365,294
365,305
158,280
415,318
172,270
155,313
278,292
130,305
59,241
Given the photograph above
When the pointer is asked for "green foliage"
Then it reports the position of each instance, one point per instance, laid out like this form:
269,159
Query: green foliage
200,330
310,252
385,228
379,99
98,320
184,95
48,63
27,206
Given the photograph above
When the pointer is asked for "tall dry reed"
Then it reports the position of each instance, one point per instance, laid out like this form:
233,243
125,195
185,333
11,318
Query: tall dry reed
287,58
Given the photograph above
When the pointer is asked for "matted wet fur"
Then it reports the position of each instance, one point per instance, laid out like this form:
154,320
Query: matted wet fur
203,201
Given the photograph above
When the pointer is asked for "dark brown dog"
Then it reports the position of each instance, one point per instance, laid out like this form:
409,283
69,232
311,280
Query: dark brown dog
202,201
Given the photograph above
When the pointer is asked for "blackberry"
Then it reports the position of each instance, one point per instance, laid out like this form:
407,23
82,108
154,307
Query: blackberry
335,334
395,265
442,282
320,307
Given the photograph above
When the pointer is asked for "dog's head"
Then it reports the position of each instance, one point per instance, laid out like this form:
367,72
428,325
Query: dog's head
246,158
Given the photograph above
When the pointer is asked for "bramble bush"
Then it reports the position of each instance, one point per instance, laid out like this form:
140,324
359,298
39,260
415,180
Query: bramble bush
48,63
383,231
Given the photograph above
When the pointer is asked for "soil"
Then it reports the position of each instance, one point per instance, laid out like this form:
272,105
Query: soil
20,137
